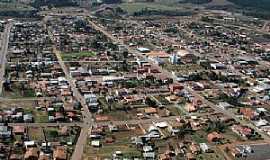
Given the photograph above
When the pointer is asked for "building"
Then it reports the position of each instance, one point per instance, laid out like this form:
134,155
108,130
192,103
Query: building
5,132
174,59
60,153
214,137
91,101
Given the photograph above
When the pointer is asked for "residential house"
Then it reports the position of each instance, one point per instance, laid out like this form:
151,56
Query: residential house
187,57
18,130
204,147
153,132
248,113
243,131
31,154
150,110
194,149
190,107
176,87
149,155
190,156
214,137
60,153
5,132
91,100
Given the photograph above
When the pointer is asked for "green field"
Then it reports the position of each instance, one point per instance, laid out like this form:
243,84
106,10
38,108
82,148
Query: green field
216,155
135,7
77,56
14,7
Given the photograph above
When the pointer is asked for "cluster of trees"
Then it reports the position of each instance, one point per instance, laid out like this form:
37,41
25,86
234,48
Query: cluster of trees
150,12
19,14
256,8
112,1
258,4
53,3
195,1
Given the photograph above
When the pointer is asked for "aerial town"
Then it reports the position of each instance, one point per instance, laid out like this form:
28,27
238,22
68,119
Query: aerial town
134,80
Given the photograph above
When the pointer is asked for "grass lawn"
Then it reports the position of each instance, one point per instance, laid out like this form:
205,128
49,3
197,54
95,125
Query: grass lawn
210,156
122,143
177,110
162,100
17,93
135,7
108,150
120,115
198,138
41,117
104,104
77,56
36,133
231,136
14,6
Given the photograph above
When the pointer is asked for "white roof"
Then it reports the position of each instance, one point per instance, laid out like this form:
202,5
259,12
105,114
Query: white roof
261,122
90,96
50,109
162,124
152,128
261,109
29,143
95,143
61,79
44,144
142,49
112,78
147,148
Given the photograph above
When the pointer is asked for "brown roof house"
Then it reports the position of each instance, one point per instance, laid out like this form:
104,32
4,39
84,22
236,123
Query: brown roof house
190,107
31,154
150,110
248,113
60,153
18,130
214,137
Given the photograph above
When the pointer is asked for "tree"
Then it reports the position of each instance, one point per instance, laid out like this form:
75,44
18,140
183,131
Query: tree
125,65
125,54
184,130
150,102
216,126
53,134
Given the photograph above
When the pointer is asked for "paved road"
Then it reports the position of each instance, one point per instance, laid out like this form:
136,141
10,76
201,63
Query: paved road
87,116
80,124
76,62
2,99
4,51
78,152
266,26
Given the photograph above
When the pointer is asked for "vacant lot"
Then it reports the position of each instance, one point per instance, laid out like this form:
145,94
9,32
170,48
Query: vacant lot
77,56
122,142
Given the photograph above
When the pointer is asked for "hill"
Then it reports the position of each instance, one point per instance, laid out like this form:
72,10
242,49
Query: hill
257,4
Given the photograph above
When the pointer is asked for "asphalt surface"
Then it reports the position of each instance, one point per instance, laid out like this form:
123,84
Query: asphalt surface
260,151
87,116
